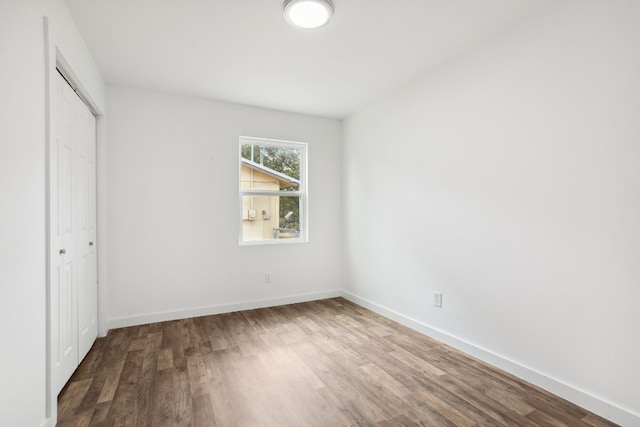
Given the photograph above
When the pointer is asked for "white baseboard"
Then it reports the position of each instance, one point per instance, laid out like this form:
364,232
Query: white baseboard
219,309
597,405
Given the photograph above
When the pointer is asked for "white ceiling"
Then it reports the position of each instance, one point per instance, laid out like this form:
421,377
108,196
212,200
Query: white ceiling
243,51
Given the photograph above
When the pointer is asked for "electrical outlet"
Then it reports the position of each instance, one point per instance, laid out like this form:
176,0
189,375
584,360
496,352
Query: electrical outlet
267,277
437,299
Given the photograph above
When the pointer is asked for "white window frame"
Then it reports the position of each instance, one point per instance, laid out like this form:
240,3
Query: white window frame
303,191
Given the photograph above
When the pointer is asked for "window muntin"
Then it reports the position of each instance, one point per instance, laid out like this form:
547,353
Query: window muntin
273,191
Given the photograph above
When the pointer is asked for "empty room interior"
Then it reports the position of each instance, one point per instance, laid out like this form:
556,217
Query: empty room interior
420,212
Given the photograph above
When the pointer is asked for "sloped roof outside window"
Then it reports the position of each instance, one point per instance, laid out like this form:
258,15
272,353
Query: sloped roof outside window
286,182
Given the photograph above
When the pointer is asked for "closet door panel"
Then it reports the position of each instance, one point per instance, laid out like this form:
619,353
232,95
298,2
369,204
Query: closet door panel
87,280
63,254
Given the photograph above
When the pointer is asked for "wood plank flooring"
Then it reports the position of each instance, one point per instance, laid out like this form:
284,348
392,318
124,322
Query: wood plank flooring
322,363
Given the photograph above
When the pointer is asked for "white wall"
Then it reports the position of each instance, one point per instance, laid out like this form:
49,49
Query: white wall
23,142
509,179
173,209
22,220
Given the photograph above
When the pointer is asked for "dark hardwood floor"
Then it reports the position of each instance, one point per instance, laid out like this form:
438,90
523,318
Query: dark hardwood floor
322,363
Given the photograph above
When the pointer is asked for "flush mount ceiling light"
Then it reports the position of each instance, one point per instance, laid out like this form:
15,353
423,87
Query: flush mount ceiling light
308,14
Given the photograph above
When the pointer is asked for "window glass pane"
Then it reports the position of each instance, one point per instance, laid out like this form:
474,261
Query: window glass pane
270,217
270,167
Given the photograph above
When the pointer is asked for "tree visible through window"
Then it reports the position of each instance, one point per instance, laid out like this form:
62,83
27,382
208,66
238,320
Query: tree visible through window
272,190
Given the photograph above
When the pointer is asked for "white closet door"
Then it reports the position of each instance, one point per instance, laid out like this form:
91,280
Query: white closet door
86,226
63,294
73,251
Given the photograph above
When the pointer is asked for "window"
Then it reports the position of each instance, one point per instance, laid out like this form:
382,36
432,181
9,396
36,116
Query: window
273,191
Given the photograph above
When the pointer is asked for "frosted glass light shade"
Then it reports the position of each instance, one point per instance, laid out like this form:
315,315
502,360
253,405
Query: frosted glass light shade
308,14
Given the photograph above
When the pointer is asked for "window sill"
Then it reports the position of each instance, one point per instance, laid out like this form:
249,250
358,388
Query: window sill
273,242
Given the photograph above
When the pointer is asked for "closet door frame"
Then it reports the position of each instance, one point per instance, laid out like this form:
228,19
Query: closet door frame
55,60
